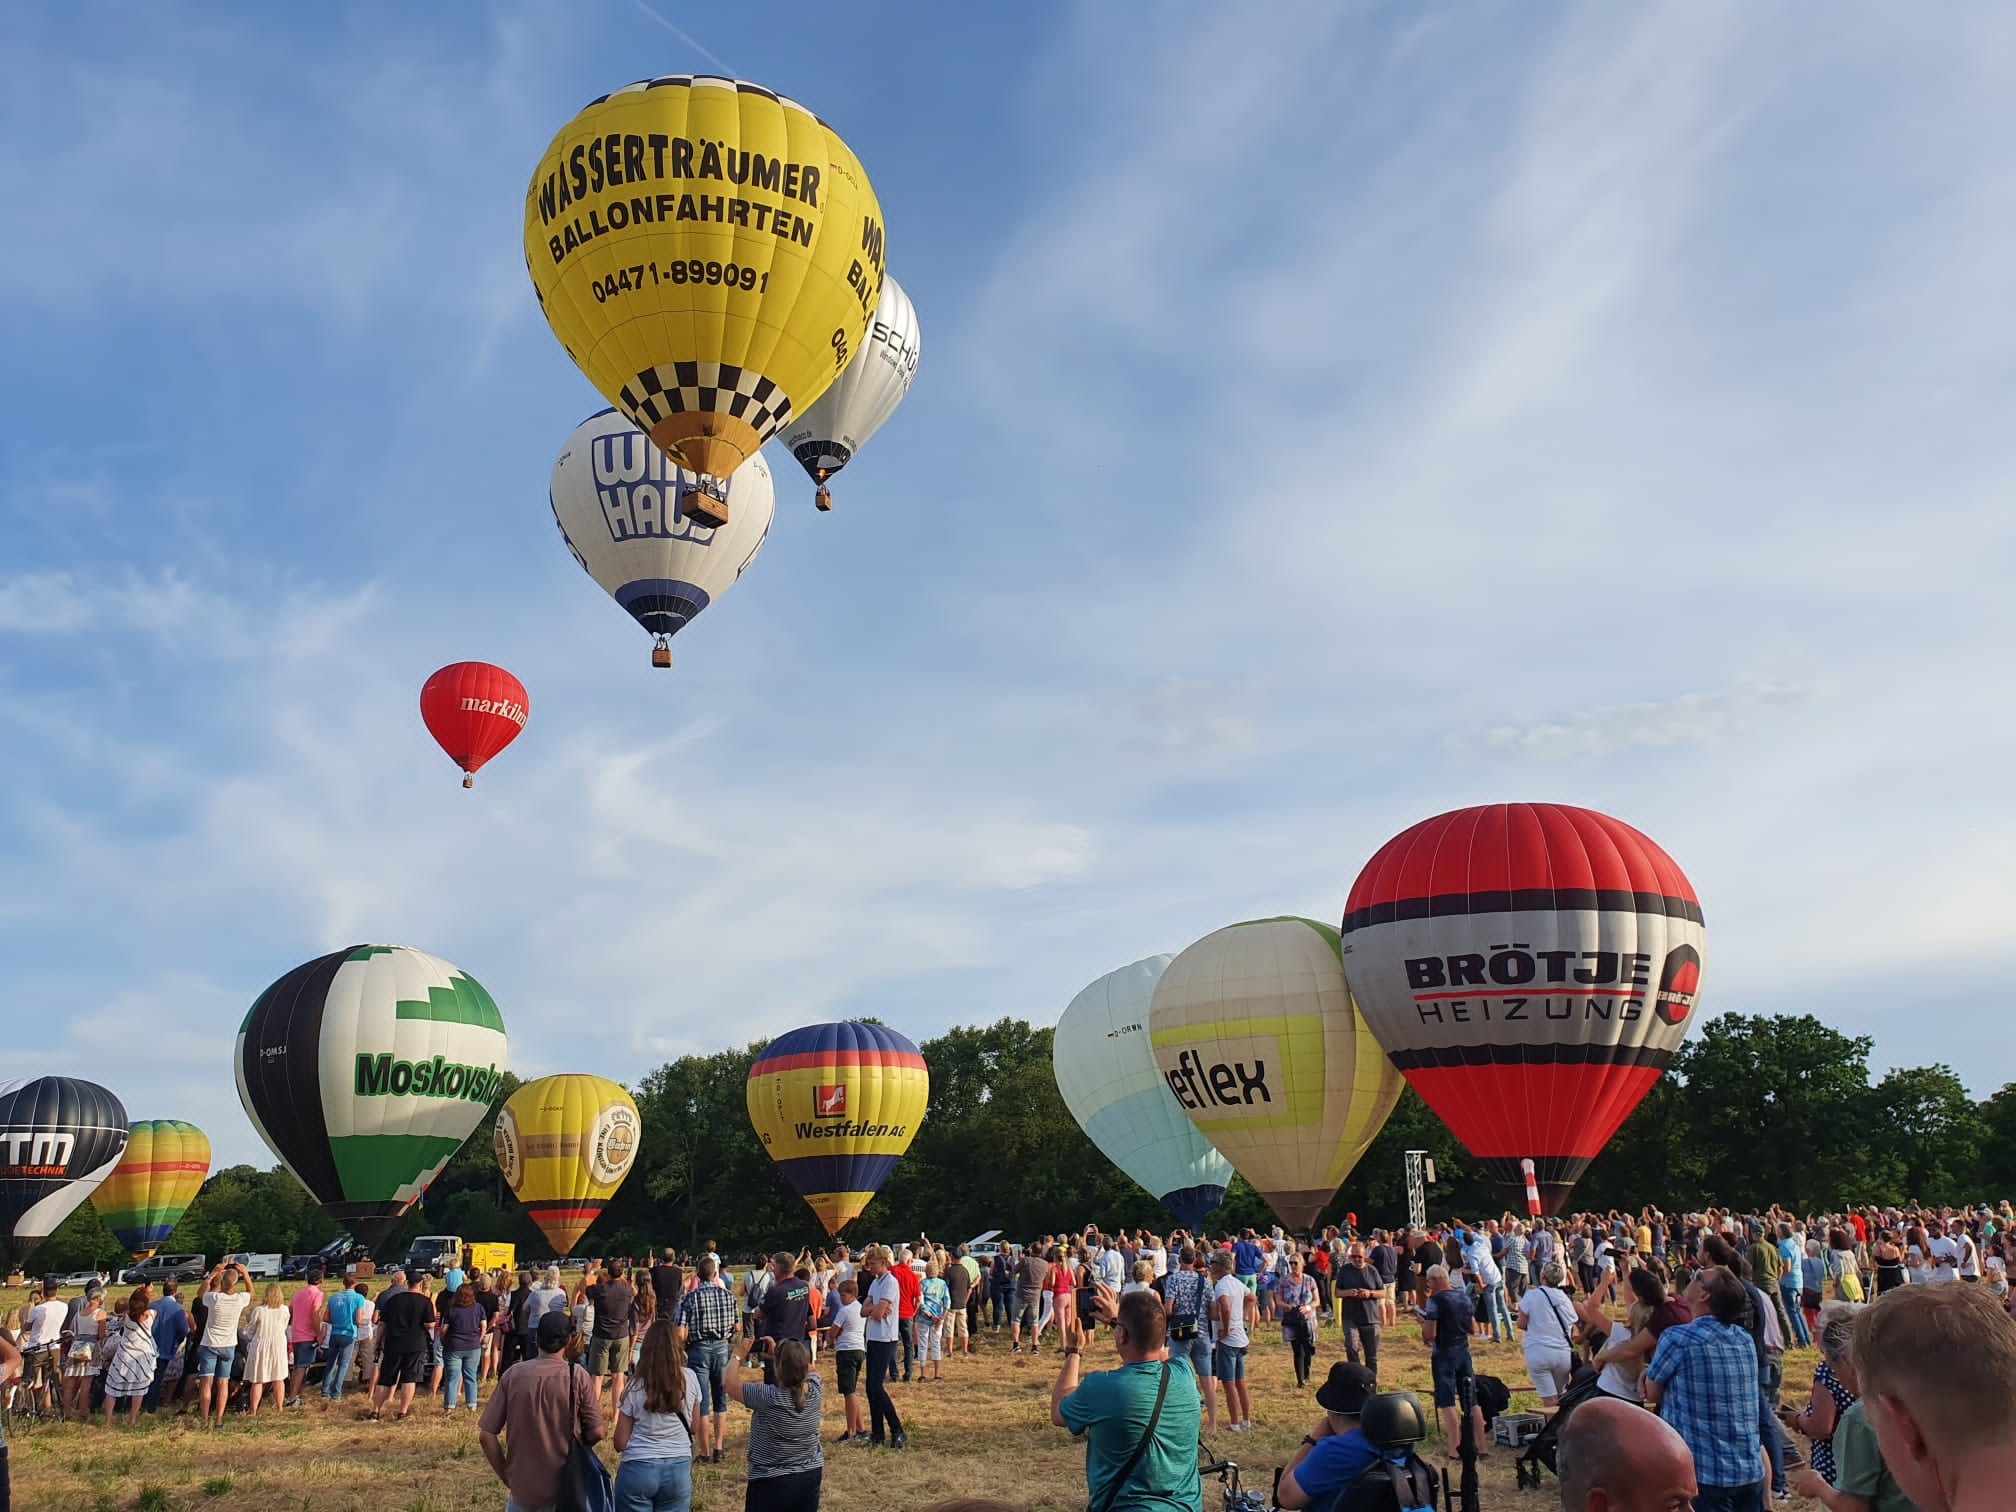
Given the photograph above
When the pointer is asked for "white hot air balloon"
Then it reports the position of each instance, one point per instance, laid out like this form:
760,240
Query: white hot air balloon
1110,1082
616,498
825,438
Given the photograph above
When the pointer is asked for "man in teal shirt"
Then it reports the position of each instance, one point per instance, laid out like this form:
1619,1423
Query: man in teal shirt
1128,1467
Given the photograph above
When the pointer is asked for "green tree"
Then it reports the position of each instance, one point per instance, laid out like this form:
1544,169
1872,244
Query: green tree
1931,1132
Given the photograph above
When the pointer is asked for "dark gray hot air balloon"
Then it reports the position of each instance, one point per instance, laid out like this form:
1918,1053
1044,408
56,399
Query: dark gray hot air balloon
59,1137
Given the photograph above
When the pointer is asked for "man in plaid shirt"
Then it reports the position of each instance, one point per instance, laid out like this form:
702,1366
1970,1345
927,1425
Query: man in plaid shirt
706,1324
1703,1381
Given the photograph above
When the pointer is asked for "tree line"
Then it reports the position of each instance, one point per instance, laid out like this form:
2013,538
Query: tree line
1755,1110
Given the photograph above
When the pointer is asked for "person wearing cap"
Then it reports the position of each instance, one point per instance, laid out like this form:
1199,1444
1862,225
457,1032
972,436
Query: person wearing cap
539,1408
1335,1452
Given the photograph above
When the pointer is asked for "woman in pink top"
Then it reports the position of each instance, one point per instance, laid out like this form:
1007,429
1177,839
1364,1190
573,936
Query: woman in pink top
304,1315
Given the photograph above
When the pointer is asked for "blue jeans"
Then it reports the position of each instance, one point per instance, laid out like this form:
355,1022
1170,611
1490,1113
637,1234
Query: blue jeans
654,1485
1498,1313
341,1353
881,1410
462,1365
215,1360
709,1359
1748,1498
1788,1293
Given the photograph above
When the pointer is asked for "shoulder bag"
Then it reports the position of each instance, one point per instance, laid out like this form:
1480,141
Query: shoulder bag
1140,1448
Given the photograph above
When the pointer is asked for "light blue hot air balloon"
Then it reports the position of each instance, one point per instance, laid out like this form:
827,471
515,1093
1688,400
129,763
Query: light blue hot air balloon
1106,1072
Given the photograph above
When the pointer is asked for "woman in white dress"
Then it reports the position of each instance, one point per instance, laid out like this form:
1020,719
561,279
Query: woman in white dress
129,1342
266,1348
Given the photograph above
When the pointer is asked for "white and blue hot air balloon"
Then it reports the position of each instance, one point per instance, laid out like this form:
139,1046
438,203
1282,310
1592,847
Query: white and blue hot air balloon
1107,1074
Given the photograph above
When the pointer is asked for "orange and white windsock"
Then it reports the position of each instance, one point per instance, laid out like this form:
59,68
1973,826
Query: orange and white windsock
1532,1188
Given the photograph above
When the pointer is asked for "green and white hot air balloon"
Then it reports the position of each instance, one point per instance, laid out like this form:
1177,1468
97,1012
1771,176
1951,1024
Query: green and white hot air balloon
365,1070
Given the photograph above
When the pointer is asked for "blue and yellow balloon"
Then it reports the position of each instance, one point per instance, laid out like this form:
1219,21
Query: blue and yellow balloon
836,1105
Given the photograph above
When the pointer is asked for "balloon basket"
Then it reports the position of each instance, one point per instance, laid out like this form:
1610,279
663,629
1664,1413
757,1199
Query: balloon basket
702,506
822,500
661,654
468,781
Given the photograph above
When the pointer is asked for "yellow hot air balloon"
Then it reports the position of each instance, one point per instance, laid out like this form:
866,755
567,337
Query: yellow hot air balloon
564,1145
153,1184
710,255
836,1105
1255,1032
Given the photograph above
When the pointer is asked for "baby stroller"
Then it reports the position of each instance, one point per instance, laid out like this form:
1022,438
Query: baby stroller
1541,1450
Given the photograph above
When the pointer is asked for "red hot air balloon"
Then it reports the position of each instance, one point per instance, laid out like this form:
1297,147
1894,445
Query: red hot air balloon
1530,968
474,710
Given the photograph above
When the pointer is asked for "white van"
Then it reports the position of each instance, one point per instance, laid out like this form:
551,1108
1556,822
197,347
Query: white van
259,1267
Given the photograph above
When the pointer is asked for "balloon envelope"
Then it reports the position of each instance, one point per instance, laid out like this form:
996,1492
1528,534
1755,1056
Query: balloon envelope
364,1070
473,710
1531,968
836,1105
828,434
1254,1031
710,254
154,1183
59,1137
564,1145
1107,1075
615,497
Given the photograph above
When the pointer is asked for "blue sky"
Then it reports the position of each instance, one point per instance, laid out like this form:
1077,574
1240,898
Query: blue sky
1321,424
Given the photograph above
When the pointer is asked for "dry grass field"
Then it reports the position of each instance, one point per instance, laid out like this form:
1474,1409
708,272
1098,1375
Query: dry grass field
983,1430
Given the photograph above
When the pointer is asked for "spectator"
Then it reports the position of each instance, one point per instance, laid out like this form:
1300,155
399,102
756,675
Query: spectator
934,1303
613,1299
786,1462
540,1409
848,1337
1703,1380
1937,1372
1445,1328
1489,1280
223,1307
1548,1319
962,1285
656,1426
1186,1296
1361,1293
41,1347
266,1345
1614,1457
1032,1285
1833,1391
404,1319
707,1328
1334,1453
10,1369
910,1286
1140,1421
130,1371
304,1309
881,1330
84,1357
461,1330
668,1284
171,1332
342,1313
1295,1304
1233,1307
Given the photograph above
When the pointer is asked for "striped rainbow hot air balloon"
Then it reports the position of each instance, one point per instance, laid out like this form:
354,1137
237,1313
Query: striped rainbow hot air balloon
156,1179
836,1105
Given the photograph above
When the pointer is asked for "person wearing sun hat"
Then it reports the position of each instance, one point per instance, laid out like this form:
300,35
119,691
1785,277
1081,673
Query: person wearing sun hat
1335,1452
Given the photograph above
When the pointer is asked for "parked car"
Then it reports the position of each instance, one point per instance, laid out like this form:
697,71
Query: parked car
260,1267
80,1278
168,1268
296,1266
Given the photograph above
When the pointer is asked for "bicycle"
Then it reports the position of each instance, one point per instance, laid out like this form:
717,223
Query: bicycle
1236,1500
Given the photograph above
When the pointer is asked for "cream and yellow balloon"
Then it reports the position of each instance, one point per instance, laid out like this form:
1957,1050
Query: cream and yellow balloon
564,1144
1254,1030
710,254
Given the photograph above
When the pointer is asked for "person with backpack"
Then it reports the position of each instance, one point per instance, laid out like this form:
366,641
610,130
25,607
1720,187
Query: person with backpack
1186,1297
540,1407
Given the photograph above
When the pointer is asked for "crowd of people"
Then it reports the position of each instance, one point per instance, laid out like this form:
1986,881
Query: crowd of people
1690,1316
